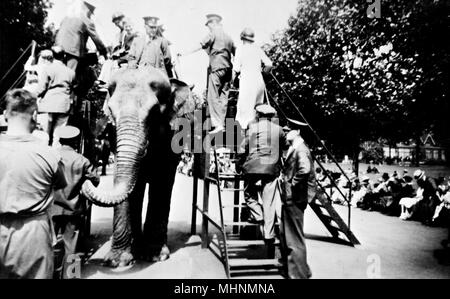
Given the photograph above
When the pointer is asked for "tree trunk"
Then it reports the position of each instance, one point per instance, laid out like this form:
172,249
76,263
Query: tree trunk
418,154
356,151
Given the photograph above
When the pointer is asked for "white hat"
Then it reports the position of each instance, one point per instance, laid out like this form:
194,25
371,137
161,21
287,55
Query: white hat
292,135
418,174
67,132
265,109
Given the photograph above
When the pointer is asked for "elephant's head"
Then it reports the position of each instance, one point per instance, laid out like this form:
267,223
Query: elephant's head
134,94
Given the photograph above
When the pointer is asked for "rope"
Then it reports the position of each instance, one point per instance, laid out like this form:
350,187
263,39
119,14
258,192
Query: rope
269,96
14,85
15,63
307,123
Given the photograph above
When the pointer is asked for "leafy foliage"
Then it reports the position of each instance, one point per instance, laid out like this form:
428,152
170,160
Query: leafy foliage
21,21
357,78
372,151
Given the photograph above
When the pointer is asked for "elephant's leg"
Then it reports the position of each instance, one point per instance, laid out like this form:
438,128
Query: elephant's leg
136,201
160,193
125,228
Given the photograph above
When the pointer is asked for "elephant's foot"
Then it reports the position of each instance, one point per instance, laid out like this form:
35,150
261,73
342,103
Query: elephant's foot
162,255
118,258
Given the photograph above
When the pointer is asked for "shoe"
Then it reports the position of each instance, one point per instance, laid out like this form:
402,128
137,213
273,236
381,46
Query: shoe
216,130
270,248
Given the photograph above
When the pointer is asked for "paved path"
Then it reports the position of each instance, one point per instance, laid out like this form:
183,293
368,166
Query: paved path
391,248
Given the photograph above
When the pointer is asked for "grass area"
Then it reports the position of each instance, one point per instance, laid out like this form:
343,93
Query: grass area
434,171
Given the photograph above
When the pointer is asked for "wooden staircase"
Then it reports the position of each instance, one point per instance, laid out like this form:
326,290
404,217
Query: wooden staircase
236,244
330,218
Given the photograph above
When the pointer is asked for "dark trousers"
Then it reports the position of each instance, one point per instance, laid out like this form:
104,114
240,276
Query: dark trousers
218,85
426,208
84,77
55,121
293,241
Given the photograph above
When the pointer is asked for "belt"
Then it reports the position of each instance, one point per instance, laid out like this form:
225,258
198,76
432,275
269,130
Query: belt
14,216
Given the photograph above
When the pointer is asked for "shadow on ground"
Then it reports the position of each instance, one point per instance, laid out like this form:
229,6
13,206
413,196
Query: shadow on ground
185,254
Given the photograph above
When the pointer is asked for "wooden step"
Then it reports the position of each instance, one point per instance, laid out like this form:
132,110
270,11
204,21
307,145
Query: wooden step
247,243
235,206
256,274
332,220
241,223
254,263
232,189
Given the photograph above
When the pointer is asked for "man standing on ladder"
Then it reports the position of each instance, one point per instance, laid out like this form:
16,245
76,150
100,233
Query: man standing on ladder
55,87
72,36
299,188
262,148
75,30
220,48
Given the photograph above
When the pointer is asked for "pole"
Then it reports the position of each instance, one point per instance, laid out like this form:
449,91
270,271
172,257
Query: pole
194,206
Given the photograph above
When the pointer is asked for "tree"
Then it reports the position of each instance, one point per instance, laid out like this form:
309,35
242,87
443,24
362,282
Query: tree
21,21
358,78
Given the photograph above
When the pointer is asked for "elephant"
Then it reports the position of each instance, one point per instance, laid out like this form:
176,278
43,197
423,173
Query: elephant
144,104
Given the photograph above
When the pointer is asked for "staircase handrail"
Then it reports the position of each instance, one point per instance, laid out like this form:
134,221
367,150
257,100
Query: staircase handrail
313,131
14,85
347,199
31,45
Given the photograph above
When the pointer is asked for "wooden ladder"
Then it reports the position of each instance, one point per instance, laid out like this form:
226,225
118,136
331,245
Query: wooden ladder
228,245
321,205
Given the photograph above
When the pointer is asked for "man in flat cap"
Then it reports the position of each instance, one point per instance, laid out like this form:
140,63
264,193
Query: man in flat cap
70,206
260,160
220,48
151,50
299,188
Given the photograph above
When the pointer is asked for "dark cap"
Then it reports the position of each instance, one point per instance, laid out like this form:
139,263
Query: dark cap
295,124
117,16
248,34
152,21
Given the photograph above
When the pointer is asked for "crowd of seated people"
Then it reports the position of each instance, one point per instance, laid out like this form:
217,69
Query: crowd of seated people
416,197
226,166
186,164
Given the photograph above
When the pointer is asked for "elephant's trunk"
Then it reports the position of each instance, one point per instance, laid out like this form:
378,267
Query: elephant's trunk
131,146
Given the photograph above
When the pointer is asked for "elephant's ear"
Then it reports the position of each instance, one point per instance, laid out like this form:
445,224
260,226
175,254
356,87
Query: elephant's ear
184,102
